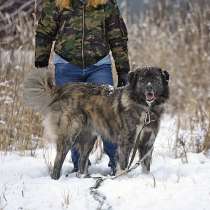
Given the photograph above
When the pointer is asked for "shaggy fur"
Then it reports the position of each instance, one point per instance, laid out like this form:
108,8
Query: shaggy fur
76,113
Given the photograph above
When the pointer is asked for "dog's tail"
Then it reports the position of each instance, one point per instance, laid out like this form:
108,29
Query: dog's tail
38,90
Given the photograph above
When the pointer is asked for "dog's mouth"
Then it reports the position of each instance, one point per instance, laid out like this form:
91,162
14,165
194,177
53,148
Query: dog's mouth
150,96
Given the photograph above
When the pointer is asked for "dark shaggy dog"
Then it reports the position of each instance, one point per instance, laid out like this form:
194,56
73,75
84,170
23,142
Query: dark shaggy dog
76,113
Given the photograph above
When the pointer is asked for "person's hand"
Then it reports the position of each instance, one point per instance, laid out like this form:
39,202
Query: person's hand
122,79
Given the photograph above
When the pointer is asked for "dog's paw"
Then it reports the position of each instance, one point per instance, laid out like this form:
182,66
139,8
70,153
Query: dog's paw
80,175
119,171
55,176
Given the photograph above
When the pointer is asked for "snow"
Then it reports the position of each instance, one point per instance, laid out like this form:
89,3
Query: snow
25,183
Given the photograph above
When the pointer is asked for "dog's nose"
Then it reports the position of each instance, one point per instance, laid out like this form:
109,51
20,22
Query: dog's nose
149,87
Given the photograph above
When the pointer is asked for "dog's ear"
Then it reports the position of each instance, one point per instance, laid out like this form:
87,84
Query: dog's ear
132,79
165,75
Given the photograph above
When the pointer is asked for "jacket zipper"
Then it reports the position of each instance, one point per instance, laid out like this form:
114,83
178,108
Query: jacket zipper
83,35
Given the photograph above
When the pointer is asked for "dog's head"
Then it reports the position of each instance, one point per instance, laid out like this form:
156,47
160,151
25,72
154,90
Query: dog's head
149,85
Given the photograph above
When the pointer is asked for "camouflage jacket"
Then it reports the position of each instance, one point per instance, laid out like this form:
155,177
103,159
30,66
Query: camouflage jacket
83,34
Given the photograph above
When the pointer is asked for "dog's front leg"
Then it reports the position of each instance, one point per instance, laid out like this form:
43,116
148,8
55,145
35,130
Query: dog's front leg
147,162
146,146
62,149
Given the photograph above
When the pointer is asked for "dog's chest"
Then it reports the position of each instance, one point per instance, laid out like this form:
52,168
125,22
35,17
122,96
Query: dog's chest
143,120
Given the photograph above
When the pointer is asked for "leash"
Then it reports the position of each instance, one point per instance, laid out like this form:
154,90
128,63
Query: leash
147,121
100,180
101,198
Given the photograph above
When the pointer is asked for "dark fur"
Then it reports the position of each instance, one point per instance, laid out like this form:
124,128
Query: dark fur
76,113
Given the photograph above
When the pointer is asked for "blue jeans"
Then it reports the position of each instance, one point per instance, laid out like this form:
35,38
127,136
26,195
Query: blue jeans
66,73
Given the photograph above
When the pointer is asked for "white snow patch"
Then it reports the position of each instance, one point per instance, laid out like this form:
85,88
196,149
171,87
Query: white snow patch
25,183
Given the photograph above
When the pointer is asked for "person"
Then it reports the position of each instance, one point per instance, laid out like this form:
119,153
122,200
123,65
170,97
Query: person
84,31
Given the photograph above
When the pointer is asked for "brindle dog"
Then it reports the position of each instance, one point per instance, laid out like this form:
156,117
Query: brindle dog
76,113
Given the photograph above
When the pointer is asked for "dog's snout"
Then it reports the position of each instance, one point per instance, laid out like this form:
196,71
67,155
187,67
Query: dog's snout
149,87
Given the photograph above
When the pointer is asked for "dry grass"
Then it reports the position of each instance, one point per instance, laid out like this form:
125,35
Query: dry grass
182,46
19,127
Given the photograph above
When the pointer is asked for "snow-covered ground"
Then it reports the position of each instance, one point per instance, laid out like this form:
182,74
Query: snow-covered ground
172,185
